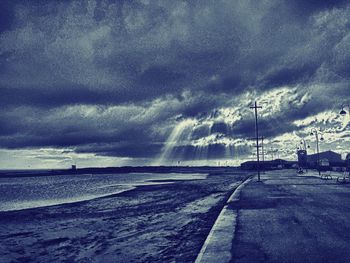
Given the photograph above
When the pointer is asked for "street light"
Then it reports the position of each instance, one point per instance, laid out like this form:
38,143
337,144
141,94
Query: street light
303,142
306,146
343,112
314,132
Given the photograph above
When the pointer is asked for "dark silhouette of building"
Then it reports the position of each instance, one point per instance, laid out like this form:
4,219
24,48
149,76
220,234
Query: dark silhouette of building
347,159
302,158
329,160
268,165
329,155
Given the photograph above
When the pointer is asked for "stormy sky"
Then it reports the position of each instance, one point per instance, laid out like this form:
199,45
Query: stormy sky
109,83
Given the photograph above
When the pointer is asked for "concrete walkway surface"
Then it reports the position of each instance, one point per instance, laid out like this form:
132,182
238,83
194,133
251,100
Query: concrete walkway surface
291,218
283,218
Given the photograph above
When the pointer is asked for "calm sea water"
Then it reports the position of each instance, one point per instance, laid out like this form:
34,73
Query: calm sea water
30,192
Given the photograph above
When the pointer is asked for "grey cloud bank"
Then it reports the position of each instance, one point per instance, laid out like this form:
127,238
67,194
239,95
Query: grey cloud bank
115,78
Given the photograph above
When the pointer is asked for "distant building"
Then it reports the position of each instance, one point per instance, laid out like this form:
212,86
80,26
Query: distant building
268,165
302,158
329,155
249,165
324,162
329,160
347,158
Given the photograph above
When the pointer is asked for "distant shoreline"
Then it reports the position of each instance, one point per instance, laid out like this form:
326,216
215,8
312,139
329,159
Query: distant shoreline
124,169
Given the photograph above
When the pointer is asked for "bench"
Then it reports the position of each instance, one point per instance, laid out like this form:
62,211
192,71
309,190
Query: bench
300,171
342,179
326,176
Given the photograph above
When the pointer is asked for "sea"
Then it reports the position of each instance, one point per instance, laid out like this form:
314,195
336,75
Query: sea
19,193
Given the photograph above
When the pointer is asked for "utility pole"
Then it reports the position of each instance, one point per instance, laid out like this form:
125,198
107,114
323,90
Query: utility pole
272,153
262,151
314,131
256,107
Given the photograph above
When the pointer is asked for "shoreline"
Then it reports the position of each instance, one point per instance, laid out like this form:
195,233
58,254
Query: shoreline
118,170
162,222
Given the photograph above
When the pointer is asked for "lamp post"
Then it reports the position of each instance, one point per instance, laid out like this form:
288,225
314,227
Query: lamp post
343,113
263,153
306,146
314,132
256,107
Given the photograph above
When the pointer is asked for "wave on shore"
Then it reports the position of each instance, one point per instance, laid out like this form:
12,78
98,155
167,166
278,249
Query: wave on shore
34,192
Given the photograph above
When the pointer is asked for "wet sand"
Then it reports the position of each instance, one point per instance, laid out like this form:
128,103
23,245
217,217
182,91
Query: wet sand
151,223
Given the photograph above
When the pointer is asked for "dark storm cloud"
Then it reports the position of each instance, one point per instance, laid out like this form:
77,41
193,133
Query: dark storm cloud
290,76
58,96
159,76
312,6
160,60
123,149
6,15
127,143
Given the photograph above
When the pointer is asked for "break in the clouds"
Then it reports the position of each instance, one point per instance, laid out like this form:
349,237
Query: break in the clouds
156,82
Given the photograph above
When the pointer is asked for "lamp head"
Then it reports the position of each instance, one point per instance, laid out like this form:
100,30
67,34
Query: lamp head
342,112
322,139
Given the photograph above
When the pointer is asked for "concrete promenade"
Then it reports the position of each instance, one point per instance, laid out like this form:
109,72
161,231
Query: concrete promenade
283,218
291,218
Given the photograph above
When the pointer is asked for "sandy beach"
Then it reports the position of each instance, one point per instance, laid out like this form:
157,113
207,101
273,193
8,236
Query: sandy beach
166,221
